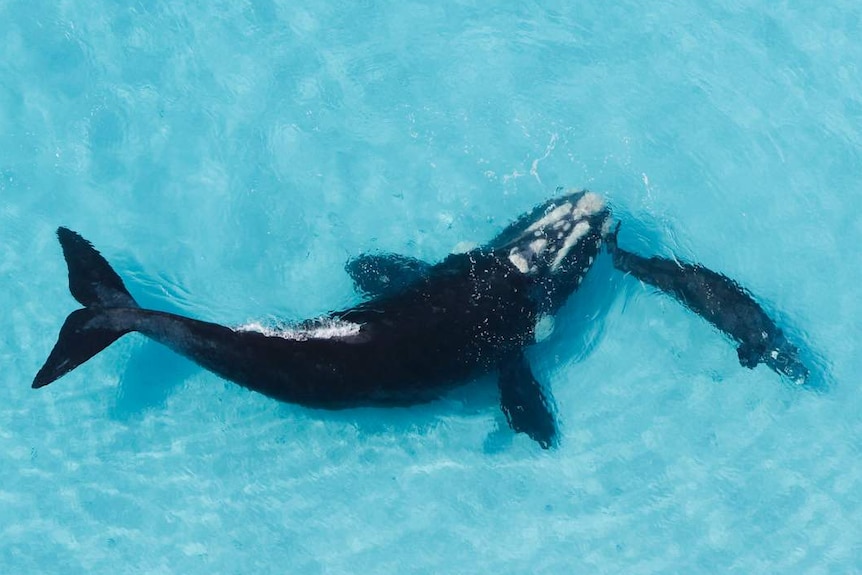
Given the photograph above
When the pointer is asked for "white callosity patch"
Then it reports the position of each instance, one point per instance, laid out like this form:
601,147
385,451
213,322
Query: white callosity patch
551,217
538,246
555,234
581,229
326,328
525,260
519,261
589,204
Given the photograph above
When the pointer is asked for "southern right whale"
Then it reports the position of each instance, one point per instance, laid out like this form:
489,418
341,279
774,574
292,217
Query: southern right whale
424,330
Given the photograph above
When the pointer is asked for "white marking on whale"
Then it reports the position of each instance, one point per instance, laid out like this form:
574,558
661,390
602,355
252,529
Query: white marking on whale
326,328
580,230
554,215
519,261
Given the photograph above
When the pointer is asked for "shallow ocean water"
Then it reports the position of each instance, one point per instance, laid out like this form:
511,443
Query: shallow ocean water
229,157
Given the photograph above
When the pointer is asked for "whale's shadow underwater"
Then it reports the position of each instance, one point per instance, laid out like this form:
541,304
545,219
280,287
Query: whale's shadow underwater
424,328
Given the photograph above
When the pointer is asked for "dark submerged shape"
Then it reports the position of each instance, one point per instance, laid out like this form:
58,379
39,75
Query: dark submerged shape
720,301
425,328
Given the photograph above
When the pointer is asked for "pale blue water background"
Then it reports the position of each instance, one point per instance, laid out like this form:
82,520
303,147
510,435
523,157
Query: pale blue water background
228,157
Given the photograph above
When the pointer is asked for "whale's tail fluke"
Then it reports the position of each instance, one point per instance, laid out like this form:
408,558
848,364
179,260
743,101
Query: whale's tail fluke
86,331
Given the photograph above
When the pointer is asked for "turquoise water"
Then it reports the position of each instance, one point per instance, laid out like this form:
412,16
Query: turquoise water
228,157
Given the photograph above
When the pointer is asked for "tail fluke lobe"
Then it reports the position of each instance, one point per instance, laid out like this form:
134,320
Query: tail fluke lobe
92,281
87,331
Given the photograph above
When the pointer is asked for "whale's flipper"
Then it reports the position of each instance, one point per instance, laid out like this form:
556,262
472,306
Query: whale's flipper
385,274
527,407
720,301
749,355
87,331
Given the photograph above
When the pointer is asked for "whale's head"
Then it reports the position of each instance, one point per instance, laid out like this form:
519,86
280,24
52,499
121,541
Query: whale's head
556,243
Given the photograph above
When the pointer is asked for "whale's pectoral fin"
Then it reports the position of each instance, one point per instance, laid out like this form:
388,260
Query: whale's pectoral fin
610,239
385,274
527,407
749,355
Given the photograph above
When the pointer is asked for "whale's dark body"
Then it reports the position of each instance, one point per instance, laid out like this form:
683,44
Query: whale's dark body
425,329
